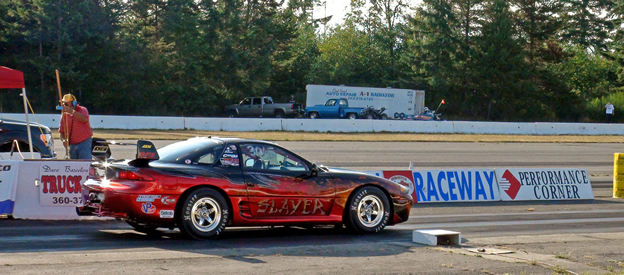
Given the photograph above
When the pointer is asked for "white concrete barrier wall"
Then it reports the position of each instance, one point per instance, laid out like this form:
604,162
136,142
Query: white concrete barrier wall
333,125
483,127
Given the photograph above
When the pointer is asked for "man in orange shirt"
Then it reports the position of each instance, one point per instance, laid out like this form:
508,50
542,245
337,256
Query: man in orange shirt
75,128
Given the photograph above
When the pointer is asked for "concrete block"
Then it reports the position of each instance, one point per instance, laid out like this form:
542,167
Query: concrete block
436,237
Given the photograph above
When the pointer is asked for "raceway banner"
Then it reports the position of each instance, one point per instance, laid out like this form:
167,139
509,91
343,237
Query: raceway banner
518,184
456,185
8,184
61,182
403,177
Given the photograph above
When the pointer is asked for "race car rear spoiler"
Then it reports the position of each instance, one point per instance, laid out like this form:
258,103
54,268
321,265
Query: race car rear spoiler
146,151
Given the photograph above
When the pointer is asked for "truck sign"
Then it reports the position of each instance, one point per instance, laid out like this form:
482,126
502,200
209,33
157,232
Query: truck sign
399,103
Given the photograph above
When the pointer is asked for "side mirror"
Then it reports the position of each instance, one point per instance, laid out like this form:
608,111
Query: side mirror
314,170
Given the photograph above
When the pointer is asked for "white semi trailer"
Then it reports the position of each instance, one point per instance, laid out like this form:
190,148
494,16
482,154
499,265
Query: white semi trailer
399,103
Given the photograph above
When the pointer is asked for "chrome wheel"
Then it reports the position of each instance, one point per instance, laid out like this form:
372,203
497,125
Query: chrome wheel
206,214
370,211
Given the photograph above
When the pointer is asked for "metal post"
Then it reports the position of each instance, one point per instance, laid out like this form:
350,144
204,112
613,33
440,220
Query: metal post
30,146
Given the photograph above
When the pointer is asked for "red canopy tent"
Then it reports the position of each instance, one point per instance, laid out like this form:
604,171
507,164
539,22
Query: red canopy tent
10,78
14,79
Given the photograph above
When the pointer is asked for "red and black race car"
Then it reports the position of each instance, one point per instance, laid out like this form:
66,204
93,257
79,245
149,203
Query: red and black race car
203,185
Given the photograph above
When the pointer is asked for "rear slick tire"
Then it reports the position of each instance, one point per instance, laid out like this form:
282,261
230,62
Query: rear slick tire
204,214
369,210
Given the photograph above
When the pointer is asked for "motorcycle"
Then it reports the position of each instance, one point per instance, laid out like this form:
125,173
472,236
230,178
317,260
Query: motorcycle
371,113
428,114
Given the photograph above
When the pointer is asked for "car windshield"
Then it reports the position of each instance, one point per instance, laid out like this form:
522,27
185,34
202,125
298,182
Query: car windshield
191,151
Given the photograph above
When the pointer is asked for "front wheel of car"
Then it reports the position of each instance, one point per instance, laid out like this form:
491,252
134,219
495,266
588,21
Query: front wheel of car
351,116
369,210
205,213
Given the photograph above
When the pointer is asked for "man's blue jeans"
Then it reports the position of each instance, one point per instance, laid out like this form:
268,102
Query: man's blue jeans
81,150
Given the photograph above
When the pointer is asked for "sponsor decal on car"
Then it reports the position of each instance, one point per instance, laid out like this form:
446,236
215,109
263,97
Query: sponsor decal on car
146,155
166,214
147,198
148,208
166,200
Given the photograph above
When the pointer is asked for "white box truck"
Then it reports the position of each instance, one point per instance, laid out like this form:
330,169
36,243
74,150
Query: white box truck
399,103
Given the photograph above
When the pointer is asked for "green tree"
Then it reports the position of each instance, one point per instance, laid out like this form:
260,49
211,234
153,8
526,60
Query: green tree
503,72
434,49
346,56
587,23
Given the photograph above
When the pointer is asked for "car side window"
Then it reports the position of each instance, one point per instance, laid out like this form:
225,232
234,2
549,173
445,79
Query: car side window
211,156
266,157
230,156
256,101
268,100
331,102
343,102
246,101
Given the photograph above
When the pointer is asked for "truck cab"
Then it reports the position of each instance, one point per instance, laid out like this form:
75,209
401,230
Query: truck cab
262,106
334,108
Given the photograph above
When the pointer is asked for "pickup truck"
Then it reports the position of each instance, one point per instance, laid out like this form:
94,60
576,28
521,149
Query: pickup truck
334,108
261,107
13,130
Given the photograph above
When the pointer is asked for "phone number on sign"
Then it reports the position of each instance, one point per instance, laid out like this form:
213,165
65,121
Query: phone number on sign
66,200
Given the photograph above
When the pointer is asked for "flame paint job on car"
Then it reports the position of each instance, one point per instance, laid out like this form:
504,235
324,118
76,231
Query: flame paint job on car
254,197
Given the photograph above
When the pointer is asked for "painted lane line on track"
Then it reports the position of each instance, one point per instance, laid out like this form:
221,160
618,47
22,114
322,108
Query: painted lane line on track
503,223
515,214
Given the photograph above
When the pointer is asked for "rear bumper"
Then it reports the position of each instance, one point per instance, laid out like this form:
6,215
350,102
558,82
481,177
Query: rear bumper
108,202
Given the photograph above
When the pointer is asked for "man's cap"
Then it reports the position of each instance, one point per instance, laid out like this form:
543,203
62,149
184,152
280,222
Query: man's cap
68,98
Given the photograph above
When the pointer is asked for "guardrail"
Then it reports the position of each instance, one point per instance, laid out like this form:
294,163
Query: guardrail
333,125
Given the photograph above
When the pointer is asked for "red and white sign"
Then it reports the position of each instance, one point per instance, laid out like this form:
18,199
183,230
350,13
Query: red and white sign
403,177
61,183
519,184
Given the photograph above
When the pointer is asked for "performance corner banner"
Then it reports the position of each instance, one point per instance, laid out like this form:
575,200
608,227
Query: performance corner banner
520,184
8,184
61,183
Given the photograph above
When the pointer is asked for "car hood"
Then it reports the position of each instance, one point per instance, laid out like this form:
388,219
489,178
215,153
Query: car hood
23,123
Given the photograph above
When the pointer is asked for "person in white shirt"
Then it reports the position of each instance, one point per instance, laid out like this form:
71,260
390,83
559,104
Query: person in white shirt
610,110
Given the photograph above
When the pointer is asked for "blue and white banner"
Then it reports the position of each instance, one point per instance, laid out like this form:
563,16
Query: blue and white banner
521,184
456,185
8,184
